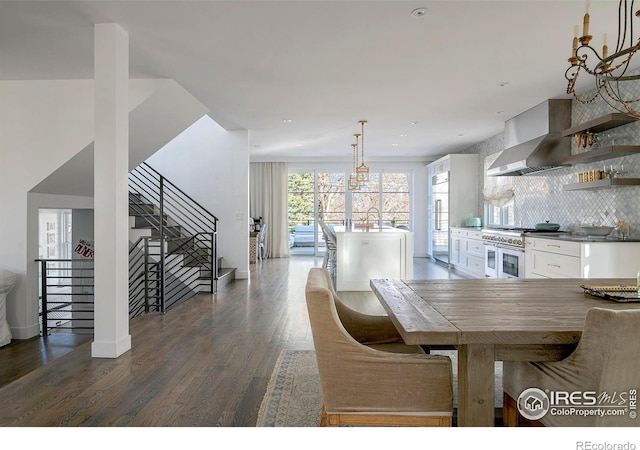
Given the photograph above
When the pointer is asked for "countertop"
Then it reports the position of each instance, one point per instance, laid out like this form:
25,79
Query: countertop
358,229
575,237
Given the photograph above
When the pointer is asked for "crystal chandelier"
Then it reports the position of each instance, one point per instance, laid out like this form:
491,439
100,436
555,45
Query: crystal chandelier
609,70
362,171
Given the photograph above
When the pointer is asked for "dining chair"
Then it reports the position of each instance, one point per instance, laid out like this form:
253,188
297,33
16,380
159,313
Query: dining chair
362,385
368,329
606,361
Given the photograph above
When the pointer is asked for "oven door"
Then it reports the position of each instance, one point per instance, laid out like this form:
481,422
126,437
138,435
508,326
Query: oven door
490,260
510,262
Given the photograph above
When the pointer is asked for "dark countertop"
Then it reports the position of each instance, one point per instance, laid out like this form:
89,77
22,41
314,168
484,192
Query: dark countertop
580,238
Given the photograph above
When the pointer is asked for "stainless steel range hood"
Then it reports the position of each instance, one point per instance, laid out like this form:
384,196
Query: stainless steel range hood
533,140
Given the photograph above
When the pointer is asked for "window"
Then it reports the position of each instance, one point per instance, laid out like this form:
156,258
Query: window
389,193
500,215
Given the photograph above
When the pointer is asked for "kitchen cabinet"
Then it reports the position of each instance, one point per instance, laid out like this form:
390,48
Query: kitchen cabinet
467,251
557,258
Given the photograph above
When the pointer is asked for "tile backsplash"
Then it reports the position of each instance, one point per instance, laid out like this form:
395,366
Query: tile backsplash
540,197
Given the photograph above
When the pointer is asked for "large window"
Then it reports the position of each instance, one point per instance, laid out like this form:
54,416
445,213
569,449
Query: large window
323,195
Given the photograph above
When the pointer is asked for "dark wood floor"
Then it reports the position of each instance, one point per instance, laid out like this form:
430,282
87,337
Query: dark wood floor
205,363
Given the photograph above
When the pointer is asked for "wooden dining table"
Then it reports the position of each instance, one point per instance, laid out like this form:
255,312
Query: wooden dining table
490,320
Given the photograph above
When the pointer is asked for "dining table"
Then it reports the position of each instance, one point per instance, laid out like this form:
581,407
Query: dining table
488,320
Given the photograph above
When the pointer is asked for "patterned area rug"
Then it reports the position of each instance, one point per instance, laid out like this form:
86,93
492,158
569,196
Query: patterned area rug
294,395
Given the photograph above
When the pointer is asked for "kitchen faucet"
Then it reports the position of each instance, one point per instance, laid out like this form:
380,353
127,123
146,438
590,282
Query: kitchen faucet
369,211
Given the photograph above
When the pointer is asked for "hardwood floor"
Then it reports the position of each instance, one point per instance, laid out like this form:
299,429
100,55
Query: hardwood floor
205,363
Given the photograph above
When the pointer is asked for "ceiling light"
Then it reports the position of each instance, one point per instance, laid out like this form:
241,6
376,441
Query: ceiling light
503,83
362,171
415,123
419,12
394,145
499,112
609,70
403,135
287,120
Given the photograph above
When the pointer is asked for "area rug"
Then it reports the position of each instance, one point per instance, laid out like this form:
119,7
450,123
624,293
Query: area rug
294,395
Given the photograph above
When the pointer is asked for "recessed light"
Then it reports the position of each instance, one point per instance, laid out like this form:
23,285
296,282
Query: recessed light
419,12
258,146
461,134
394,145
415,123
403,135
499,112
298,145
503,83
287,120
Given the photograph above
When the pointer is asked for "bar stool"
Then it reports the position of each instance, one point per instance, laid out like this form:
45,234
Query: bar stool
330,255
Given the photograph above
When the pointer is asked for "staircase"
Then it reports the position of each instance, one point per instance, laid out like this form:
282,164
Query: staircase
173,251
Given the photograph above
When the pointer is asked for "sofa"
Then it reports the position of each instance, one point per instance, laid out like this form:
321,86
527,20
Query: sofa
303,236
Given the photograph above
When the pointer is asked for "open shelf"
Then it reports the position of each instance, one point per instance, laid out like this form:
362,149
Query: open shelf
606,183
603,153
603,123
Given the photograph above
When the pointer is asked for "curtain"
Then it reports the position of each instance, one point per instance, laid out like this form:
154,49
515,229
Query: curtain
498,191
268,189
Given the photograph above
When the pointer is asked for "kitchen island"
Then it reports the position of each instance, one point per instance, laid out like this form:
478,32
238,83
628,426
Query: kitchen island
366,253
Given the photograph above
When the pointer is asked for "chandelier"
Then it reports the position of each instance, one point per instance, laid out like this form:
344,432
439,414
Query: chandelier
362,171
608,70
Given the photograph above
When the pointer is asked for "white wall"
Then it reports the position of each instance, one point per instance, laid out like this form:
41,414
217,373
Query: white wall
215,173
419,189
44,124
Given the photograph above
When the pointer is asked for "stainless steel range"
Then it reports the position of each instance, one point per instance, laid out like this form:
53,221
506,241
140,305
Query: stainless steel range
504,252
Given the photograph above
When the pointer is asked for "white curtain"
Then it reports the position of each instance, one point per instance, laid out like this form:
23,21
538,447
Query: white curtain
498,191
268,187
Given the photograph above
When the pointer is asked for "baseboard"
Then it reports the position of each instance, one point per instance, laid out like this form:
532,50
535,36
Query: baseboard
242,274
110,349
22,333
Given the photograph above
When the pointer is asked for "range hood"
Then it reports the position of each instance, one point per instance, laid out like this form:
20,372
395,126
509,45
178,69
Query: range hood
534,141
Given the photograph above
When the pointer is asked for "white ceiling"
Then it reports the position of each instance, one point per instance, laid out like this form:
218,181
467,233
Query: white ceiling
324,65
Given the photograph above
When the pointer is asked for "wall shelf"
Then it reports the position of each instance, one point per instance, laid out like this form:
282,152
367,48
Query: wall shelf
603,153
603,123
606,183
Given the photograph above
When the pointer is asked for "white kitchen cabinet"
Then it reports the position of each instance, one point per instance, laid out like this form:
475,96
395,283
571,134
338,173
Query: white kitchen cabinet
557,258
467,251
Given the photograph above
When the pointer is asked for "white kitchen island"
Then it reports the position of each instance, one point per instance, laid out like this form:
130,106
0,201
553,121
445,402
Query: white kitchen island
375,253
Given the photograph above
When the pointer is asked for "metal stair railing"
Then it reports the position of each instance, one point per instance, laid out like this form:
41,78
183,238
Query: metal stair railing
180,257
66,295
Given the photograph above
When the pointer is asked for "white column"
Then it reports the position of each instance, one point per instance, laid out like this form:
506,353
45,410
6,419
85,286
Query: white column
111,167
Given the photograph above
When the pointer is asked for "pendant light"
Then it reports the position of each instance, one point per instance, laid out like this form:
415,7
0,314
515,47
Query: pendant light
353,178
362,171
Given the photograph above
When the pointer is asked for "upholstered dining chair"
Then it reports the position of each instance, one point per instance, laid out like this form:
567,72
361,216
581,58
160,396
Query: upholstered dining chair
605,361
368,329
363,385
7,281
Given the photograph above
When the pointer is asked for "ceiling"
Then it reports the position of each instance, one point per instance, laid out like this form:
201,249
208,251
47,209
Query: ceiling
299,75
